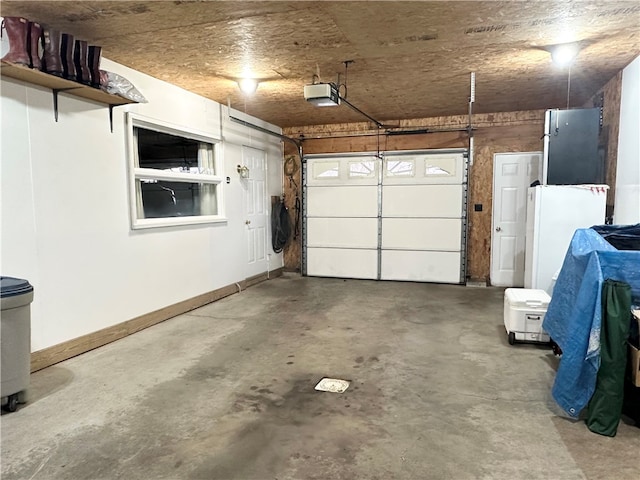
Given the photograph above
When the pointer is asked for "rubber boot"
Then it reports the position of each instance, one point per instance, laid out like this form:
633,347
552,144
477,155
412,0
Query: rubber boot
66,54
94,65
51,61
35,45
18,31
80,59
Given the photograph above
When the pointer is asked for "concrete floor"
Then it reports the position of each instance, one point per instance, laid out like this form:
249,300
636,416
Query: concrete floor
226,392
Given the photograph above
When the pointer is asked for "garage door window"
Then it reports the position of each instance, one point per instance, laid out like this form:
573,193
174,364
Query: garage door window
326,170
175,178
400,168
364,169
440,167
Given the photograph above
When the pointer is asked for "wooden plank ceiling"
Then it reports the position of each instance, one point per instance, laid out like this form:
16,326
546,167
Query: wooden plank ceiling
412,59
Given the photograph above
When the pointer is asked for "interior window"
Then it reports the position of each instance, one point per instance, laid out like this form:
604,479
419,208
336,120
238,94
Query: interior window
175,178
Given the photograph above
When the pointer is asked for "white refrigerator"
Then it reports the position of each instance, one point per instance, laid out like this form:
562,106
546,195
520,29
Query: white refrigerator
554,213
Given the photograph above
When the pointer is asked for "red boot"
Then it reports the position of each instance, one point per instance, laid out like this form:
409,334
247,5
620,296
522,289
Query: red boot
51,61
35,45
17,30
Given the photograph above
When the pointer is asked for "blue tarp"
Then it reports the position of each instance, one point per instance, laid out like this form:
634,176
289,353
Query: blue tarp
574,315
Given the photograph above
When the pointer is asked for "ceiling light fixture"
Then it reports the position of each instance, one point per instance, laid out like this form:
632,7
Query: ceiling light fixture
564,55
248,85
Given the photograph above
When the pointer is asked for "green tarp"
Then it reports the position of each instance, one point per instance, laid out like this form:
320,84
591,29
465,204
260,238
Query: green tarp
605,406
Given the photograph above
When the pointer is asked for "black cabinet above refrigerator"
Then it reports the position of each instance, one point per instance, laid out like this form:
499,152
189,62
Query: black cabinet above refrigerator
571,147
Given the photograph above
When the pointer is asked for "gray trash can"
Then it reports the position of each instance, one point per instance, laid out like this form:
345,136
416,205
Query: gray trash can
16,296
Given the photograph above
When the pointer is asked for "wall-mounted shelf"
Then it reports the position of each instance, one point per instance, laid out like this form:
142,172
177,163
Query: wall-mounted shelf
58,84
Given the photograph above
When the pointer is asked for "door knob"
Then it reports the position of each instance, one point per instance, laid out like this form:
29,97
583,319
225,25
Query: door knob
247,222
498,229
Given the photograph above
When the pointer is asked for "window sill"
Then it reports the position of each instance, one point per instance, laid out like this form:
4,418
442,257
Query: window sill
146,223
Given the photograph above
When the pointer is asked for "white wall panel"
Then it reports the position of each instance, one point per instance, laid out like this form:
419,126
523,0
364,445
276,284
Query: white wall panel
627,194
18,223
421,266
440,201
421,233
342,263
342,201
68,182
342,232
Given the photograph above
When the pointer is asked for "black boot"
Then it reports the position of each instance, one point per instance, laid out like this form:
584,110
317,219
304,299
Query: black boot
94,65
80,58
66,54
18,32
51,60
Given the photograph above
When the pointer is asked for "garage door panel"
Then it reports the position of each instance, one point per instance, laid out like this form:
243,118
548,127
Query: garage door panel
342,232
417,266
421,168
350,170
440,201
342,263
421,233
342,201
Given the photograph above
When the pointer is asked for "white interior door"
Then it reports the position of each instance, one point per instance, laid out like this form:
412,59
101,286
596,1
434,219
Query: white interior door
255,210
513,173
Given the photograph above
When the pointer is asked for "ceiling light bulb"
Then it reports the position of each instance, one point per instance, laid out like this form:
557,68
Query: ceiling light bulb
248,85
564,55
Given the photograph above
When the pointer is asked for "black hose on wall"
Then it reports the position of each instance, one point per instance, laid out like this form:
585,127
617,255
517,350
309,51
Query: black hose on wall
280,226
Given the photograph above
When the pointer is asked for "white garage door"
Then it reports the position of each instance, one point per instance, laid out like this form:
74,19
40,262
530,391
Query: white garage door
422,217
398,217
341,205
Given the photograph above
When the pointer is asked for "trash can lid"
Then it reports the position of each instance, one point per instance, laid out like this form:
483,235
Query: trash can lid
10,287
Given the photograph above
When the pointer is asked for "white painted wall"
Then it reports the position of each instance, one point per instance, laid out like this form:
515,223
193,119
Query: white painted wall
65,216
627,196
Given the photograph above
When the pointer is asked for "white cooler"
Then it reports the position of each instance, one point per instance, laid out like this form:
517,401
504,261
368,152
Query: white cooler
524,311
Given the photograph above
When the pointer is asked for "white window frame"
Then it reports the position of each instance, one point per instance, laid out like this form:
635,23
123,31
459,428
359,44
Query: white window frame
135,120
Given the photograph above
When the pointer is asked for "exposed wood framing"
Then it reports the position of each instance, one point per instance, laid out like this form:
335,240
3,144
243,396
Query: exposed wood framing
609,99
292,252
454,121
489,141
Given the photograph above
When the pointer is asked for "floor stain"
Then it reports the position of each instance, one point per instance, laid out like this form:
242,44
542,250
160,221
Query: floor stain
283,420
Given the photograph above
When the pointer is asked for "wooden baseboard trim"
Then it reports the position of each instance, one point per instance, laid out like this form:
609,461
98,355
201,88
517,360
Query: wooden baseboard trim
263,276
63,351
